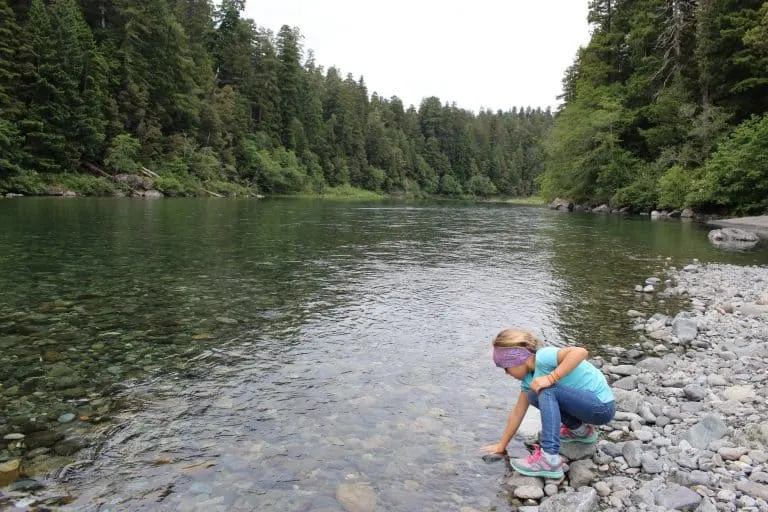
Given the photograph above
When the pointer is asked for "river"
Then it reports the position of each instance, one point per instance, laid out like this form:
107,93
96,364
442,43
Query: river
278,354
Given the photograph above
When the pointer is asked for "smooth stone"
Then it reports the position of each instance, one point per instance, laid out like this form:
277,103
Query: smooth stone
550,489
651,465
603,489
694,392
710,428
14,437
583,500
529,492
576,451
677,497
580,473
728,453
632,454
753,489
715,379
740,393
9,472
356,497
66,418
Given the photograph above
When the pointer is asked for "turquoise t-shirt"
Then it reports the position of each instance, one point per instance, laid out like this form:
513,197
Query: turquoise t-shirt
585,376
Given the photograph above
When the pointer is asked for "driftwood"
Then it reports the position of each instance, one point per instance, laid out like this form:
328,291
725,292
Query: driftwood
149,173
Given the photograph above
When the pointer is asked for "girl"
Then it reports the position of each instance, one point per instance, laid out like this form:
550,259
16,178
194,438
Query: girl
570,393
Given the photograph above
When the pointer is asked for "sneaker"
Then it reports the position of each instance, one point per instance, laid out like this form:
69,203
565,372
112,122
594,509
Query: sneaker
536,465
568,436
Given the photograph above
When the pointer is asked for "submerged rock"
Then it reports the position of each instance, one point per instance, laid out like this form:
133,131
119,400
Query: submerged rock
733,238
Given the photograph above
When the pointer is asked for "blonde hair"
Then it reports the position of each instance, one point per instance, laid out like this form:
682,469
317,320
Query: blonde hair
518,338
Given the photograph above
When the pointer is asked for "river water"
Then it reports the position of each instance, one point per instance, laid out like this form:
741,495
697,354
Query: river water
280,354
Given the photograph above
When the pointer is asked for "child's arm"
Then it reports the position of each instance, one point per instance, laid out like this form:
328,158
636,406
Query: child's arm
568,358
513,423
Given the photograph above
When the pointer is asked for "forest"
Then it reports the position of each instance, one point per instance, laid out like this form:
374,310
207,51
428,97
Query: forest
207,100
666,108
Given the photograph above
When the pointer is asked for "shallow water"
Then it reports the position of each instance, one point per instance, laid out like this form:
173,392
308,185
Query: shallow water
251,355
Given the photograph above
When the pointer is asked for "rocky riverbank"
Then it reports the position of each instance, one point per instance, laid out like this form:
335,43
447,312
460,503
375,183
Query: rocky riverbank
692,426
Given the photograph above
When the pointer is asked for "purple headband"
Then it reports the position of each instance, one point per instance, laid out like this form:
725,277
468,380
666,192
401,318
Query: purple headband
508,357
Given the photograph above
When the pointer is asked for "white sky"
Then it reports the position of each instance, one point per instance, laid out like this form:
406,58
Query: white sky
482,53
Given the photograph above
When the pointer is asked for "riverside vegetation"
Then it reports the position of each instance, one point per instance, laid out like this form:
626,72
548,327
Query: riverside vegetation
664,108
214,104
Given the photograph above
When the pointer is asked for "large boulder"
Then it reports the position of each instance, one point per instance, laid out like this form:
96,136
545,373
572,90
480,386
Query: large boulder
561,204
135,181
733,238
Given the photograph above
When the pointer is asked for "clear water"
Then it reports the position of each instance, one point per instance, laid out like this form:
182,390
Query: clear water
253,355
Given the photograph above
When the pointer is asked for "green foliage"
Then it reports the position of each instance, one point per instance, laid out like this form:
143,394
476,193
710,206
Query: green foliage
673,188
648,100
482,186
123,153
23,182
640,196
202,95
83,184
450,186
736,178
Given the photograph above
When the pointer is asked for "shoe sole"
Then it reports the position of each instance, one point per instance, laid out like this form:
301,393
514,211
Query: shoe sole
544,474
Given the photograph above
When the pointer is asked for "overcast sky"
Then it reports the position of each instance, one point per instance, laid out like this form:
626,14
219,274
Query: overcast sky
481,53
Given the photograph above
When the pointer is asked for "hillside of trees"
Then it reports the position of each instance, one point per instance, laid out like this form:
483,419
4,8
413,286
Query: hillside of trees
210,100
666,107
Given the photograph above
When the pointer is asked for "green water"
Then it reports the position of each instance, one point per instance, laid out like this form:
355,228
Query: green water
355,334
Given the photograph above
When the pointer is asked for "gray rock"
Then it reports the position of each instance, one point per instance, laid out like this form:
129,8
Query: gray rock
584,500
580,473
733,238
706,505
651,465
643,435
602,488
632,453
684,328
622,369
618,483
753,489
613,450
356,497
740,393
628,383
550,489
529,492
677,497
66,418
628,401
576,451
518,480
709,429
715,379
728,453
695,392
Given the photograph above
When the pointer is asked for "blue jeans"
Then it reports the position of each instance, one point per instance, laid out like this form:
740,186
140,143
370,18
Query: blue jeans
571,407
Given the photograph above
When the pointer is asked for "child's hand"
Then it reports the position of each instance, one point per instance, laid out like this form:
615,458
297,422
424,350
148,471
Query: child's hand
494,448
540,383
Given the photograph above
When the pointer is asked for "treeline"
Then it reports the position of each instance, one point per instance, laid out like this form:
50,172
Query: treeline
666,107
202,96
